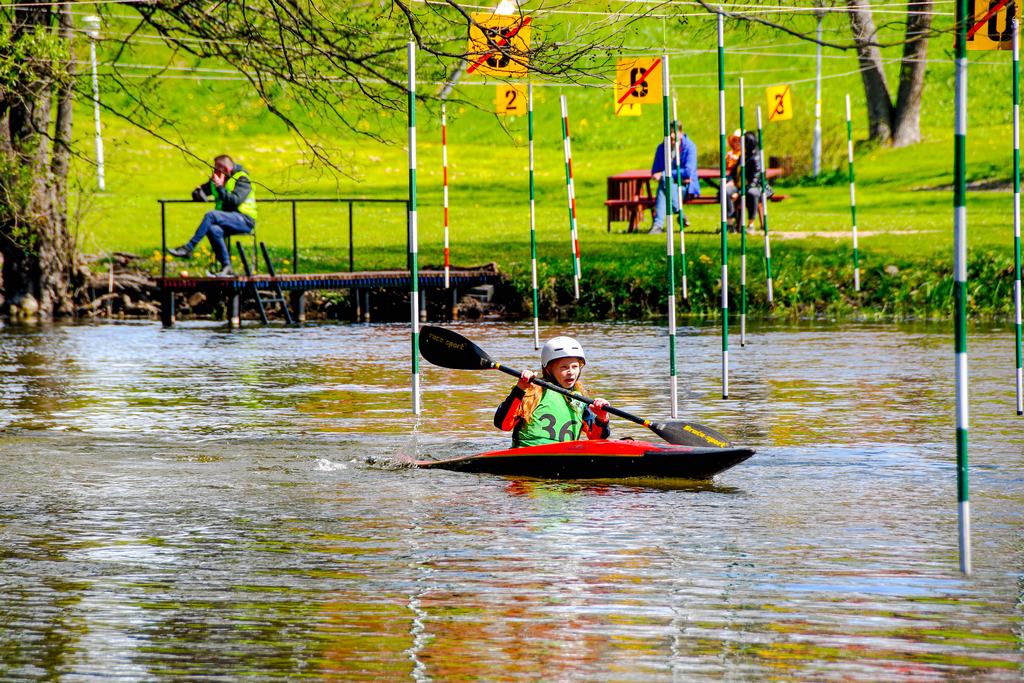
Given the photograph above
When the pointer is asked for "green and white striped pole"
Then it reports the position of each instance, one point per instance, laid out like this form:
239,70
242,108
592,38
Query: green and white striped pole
533,221
570,190
742,221
960,281
1016,211
681,196
669,246
764,210
444,180
414,270
722,206
853,196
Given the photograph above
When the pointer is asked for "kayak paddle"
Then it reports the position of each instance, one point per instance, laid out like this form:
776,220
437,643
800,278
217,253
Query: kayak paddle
449,349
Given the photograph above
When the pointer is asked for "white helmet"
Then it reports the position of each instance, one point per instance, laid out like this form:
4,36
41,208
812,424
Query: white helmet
561,347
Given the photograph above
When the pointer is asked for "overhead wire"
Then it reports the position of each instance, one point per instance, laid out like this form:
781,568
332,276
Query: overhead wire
213,74
29,5
725,9
814,7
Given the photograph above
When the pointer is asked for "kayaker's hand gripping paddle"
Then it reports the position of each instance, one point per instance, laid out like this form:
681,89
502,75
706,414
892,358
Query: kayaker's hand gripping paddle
449,349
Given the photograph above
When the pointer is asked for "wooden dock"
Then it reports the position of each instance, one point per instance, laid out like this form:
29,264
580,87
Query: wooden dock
361,284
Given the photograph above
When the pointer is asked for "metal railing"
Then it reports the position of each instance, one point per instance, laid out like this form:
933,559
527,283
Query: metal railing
295,230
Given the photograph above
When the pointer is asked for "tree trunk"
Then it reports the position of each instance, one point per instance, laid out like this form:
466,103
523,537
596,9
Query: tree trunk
59,257
876,89
907,118
40,260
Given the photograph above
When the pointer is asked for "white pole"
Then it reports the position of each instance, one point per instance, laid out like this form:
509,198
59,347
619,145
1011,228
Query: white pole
92,24
817,105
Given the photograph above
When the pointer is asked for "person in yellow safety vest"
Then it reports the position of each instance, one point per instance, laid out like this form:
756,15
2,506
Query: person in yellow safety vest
234,212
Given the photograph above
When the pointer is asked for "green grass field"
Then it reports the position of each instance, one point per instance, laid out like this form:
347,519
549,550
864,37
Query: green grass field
904,212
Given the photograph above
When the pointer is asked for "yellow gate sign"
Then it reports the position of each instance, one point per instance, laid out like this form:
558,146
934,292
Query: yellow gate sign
510,99
637,81
990,27
780,103
625,108
499,44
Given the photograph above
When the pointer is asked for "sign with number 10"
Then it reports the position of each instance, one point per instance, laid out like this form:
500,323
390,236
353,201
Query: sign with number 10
989,26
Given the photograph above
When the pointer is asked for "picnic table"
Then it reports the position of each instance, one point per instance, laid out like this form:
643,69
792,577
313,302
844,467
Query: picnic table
629,194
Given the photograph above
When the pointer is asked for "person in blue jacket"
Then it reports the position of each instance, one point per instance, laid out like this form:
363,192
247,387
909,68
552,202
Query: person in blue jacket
684,168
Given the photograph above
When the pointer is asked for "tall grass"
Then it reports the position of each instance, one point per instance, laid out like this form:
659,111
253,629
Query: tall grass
904,202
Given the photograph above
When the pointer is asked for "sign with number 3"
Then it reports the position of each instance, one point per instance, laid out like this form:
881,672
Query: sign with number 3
510,99
780,103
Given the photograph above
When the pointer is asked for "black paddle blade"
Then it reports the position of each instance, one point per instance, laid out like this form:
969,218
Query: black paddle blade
684,433
451,350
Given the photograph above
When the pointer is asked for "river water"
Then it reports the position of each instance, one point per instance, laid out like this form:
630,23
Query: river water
200,503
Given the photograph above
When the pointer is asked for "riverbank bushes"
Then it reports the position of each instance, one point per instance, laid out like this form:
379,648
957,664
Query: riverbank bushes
808,282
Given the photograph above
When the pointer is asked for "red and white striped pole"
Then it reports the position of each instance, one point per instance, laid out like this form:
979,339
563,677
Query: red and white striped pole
444,176
570,189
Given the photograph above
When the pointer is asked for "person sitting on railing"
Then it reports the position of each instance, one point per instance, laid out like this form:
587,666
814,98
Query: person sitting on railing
684,167
234,212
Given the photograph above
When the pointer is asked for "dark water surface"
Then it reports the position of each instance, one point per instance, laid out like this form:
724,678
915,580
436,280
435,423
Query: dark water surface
193,503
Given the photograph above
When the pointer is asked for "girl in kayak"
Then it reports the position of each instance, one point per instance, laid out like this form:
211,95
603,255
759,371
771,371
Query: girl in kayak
537,416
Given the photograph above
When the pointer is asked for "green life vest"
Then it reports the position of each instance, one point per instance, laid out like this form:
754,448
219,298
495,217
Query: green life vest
556,419
248,207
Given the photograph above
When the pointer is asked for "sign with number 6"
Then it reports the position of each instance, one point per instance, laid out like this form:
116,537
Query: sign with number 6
626,108
637,81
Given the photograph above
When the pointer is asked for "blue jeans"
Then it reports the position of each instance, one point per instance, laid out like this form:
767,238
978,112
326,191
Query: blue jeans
215,226
659,205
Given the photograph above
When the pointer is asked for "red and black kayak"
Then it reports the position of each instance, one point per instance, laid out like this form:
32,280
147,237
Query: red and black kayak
599,459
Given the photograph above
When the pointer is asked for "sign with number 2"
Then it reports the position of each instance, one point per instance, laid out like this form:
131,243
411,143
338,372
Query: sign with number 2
511,99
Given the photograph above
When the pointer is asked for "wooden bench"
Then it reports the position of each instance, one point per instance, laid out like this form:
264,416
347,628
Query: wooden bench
629,210
630,196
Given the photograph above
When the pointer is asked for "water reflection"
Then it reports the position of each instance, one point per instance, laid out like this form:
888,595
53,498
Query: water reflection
192,502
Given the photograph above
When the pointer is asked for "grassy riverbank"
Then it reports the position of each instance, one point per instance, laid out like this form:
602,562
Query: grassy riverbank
904,201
